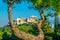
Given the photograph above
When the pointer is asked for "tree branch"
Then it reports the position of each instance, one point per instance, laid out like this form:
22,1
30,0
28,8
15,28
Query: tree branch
23,35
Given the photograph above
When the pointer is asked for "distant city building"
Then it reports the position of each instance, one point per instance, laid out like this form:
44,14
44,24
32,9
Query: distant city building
20,20
32,19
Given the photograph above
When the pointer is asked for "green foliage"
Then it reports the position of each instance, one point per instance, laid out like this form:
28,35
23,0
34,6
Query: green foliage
38,4
55,4
58,29
47,29
29,28
1,33
13,37
6,32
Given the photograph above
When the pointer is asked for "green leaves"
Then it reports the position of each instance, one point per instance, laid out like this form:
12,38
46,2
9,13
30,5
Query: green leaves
40,3
55,4
29,28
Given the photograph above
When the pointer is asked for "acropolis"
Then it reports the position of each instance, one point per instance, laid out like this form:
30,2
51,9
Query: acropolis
22,20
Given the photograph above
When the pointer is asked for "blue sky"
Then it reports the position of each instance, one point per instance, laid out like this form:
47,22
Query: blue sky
19,10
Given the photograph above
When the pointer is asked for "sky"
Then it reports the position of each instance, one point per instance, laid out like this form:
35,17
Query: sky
19,10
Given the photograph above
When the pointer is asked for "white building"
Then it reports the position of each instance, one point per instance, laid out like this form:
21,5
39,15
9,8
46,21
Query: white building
23,20
32,19
20,20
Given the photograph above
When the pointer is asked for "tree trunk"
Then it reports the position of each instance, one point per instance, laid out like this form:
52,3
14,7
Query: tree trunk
56,22
23,35
39,25
10,16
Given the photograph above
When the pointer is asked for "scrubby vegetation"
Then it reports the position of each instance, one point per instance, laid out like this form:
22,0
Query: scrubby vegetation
6,32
